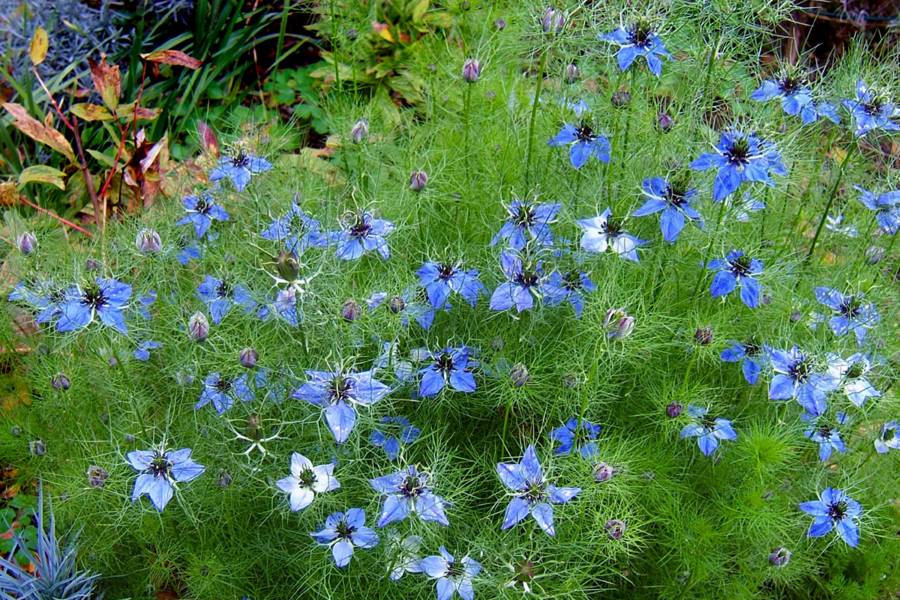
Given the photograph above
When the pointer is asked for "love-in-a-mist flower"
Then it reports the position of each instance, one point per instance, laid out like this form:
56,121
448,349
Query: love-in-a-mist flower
888,438
834,510
43,297
567,287
795,378
527,221
159,471
532,493
392,434
408,491
338,393
606,232
673,200
573,435
796,97
345,531
411,305
736,270
221,391
404,552
851,377
524,282
751,356
441,279
583,143
637,40
239,169
453,577
306,481
871,111
849,313
220,295
202,210
142,352
362,233
740,157
449,366
824,431
707,430
886,207
297,230
105,298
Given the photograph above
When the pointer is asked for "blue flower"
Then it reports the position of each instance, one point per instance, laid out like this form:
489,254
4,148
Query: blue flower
440,279
188,253
886,207
364,234
412,304
532,493
527,221
202,211
559,288
736,270
870,111
583,143
449,366
390,358
524,281
142,352
796,99
605,232
219,295
222,392
345,531
395,432
850,313
740,157
888,438
581,437
107,299
159,471
338,393
794,378
834,510
707,430
638,40
453,577
239,169
306,481
408,491
850,375
145,302
298,230
751,357
405,555
746,205
284,306
825,433
43,297
674,201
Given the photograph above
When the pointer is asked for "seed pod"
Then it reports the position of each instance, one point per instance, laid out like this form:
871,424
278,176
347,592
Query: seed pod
287,266
26,243
248,357
621,98
198,327
148,241
471,70
97,476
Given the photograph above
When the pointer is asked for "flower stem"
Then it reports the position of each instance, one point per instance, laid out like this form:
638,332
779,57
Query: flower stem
539,86
334,44
709,248
828,203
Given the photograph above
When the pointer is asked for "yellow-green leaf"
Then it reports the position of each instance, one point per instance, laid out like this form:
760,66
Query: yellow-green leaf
102,158
38,131
43,174
91,112
419,10
107,81
40,42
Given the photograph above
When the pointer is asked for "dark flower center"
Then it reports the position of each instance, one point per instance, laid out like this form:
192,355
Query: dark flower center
612,227
241,160
361,228
444,363
222,385
740,266
676,193
202,206
799,370
640,33
412,486
850,307
739,152
751,348
790,85
445,271
572,280
825,431
838,510
526,278
224,289
307,478
159,467
585,133
340,387
708,422
344,530
524,216
94,297
888,435
534,492
455,569
855,370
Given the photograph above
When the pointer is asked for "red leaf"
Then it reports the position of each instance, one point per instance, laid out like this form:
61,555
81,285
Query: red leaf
173,57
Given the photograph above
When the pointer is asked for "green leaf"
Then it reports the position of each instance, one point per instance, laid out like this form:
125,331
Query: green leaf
91,112
43,174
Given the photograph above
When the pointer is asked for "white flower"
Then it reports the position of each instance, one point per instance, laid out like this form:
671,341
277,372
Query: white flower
305,481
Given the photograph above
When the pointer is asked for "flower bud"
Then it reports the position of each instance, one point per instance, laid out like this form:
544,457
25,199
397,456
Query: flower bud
618,323
224,479
673,410
615,528
60,382
37,447
360,131
621,98
471,70
572,73
570,380
664,122
418,180
500,24
15,431
26,243
248,357
397,304
352,34
553,20
874,255
519,375
704,335
148,241
92,265
780,556
603,472
287,266
97,476
198,327
350,310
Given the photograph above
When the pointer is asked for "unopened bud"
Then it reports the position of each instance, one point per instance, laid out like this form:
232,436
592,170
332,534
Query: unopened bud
621,98
360,131
519,375
198,327
500,24
471,70
26,243
780,556
615,528
148,241
704,335
673,410
664,122
248,357
553,20
418,180
97,476
603,472
92,265
37,447
618,323
350,310
60,382
874,254
397,304
224,479
572,73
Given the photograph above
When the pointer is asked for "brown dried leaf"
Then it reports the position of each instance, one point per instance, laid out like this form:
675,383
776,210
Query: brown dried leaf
107,81
173,57
38,131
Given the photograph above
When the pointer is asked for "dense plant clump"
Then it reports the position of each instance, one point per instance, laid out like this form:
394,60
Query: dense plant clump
600,307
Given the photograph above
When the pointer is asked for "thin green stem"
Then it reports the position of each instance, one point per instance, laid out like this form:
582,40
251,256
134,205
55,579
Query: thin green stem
538,88
828,203
709,247
334,45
